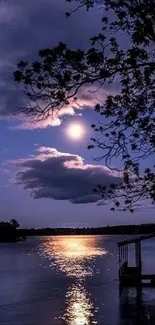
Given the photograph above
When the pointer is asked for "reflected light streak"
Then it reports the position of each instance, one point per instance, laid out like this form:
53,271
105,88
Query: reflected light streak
71,254
79,308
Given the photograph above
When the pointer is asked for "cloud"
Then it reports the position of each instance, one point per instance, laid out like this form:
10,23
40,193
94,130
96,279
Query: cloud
103,202
86,99
62,176
26,27
4,171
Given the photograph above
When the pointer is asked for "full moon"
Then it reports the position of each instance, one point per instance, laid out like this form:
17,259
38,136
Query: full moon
75,131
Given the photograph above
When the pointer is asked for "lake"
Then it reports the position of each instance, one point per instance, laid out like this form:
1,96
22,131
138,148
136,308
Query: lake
71,280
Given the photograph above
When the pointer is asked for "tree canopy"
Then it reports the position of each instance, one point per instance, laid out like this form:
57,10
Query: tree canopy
9,231
127,125
14,223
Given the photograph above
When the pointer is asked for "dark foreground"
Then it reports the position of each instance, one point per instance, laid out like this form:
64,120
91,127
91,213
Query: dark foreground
70,280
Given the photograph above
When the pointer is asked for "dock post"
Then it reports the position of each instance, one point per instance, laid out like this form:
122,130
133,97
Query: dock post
138,260
127,255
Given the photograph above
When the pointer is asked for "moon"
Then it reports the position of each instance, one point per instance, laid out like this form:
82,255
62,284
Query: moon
75,131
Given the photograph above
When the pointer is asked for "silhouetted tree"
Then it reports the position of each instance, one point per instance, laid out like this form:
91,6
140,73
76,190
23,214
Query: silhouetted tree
14,223
8,232
127,129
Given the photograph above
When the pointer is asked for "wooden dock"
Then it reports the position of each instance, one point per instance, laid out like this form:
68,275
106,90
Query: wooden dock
132,276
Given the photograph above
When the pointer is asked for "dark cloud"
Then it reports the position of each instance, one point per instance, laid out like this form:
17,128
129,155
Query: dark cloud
27,26
62,176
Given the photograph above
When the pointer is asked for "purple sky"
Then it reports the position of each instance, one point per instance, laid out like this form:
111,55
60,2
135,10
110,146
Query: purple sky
56,190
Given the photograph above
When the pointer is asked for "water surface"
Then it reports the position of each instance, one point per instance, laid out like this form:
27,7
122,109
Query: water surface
70,280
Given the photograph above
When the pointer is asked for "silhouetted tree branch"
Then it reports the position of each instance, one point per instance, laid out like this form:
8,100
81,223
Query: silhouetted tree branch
127,129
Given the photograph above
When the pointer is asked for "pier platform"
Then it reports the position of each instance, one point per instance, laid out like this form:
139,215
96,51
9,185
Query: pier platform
132,275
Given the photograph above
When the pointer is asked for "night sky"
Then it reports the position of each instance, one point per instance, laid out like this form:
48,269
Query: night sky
46,177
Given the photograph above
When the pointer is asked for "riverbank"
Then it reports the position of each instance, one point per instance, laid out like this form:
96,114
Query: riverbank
109,230
9,233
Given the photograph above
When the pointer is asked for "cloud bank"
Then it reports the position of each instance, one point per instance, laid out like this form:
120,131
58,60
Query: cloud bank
25,28
62,176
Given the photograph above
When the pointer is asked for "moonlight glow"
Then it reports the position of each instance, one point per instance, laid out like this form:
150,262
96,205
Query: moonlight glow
75,131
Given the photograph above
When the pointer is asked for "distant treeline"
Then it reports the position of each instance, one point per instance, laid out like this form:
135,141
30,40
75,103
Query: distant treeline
10,231
109,230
